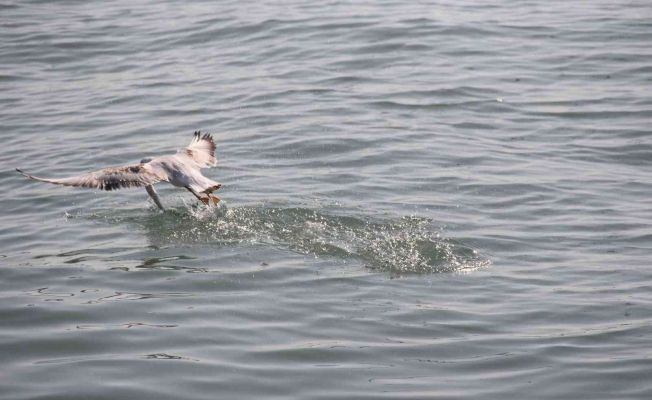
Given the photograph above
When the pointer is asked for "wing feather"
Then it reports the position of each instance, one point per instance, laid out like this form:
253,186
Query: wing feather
201,150
109,178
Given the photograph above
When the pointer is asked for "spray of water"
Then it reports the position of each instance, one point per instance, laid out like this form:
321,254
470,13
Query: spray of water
400,245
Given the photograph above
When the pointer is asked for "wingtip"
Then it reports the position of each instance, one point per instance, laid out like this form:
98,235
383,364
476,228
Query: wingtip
197,136
23,173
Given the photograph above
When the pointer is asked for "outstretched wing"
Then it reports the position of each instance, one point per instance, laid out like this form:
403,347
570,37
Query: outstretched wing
201,150
110,178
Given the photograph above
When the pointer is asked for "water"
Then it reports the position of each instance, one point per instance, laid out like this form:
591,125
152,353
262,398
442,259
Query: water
420,201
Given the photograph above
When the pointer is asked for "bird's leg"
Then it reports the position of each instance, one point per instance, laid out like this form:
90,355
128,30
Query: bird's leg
200,198
152,193
209,193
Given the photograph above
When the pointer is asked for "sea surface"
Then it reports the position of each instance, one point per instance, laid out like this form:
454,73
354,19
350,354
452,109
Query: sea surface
421,200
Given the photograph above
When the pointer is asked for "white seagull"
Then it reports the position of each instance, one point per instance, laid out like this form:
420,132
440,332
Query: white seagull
181,169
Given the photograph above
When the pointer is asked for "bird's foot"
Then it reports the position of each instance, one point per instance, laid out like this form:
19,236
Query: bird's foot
210,199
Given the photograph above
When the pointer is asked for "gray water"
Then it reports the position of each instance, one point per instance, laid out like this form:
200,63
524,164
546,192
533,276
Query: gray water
420,200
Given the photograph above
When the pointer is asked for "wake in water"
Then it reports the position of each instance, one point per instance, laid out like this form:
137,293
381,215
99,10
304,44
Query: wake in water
399,246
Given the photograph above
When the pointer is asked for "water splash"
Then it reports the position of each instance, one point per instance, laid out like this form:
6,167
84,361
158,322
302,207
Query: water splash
399,246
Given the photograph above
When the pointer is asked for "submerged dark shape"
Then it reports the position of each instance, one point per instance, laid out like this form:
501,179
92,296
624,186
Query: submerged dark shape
181,169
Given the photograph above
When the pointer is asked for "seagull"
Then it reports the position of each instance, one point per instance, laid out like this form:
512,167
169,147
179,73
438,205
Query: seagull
181,169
